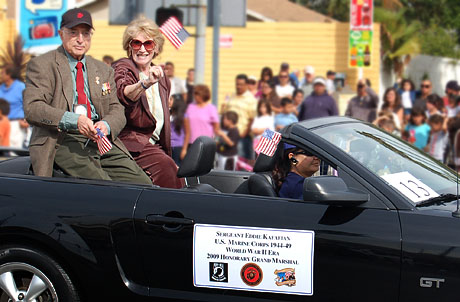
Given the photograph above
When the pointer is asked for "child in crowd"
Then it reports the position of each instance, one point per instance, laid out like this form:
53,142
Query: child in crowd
407,92
287,116
297,97
227,141
177,128
264,120
432,103
438,137
386,122
4,123
418,129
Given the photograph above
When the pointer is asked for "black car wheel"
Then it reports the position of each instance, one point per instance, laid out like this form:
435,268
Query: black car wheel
31,276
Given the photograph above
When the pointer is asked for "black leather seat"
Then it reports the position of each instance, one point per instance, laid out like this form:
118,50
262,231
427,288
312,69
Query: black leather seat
199,161
261,183
258,184
16,165
265,163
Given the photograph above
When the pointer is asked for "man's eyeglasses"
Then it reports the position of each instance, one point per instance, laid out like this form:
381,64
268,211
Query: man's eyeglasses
283,76
148,45
75,33
425,86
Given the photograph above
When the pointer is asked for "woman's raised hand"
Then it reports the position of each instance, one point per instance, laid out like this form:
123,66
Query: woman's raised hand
155,73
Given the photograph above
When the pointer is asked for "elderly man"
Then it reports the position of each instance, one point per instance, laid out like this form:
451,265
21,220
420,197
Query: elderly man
68,96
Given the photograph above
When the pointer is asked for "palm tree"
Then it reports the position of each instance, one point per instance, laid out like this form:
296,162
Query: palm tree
339,10
400,39
15,56
392,4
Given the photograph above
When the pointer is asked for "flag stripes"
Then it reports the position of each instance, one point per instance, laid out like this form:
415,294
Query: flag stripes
268,142
174,32
103,143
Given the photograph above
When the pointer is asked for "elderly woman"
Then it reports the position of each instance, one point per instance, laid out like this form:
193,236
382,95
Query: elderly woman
143,89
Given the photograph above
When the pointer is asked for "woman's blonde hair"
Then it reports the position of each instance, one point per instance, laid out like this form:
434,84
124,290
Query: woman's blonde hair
147,27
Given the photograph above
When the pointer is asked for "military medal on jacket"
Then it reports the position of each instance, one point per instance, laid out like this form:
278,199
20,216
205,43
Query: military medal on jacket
105,88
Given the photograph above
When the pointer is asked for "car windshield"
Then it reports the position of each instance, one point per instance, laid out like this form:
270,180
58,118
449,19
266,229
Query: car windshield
409,170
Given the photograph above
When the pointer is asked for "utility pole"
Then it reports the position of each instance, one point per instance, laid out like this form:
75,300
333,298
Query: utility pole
216,16
200,42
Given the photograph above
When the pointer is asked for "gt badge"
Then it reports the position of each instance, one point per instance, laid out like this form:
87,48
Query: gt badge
218,272
430,282
285,276
251,274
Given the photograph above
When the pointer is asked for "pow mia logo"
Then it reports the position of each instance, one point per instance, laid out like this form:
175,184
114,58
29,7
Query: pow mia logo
218,272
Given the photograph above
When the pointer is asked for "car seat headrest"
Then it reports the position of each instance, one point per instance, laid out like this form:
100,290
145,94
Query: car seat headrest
199,159
265,163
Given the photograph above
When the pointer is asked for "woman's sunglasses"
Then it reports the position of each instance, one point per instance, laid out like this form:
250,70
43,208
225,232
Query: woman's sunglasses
148,45
304,153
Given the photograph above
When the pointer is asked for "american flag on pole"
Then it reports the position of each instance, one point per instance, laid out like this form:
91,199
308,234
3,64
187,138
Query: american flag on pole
174,31
103,143
268,142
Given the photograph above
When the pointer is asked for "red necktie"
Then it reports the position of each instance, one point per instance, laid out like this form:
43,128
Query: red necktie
82,99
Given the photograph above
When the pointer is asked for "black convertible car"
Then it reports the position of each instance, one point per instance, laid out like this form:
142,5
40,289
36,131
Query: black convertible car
380,224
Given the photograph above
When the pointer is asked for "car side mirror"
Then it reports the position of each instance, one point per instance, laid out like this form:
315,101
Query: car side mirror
332,190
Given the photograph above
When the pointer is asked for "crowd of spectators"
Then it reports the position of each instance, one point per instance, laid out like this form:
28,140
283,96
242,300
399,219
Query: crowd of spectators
419,116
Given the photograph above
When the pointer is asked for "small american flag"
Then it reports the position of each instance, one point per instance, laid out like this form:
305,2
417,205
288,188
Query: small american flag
174,31
103,143
268,142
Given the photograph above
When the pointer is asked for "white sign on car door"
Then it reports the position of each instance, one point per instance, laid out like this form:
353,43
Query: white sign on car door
254,259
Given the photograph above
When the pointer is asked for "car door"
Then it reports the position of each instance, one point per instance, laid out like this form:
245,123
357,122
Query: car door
430,253
355,252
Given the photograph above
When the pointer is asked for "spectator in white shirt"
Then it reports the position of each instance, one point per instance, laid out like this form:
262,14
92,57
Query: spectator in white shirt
284,88
330,86
263,121
177,84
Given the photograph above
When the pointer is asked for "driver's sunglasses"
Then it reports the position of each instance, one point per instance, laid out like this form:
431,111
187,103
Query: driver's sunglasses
304,153
148,45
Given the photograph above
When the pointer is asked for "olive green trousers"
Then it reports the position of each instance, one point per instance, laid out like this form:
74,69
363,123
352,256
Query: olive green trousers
78,157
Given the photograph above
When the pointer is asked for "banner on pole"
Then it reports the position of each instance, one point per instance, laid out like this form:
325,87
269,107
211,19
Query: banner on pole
360,49
361,14
360,37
